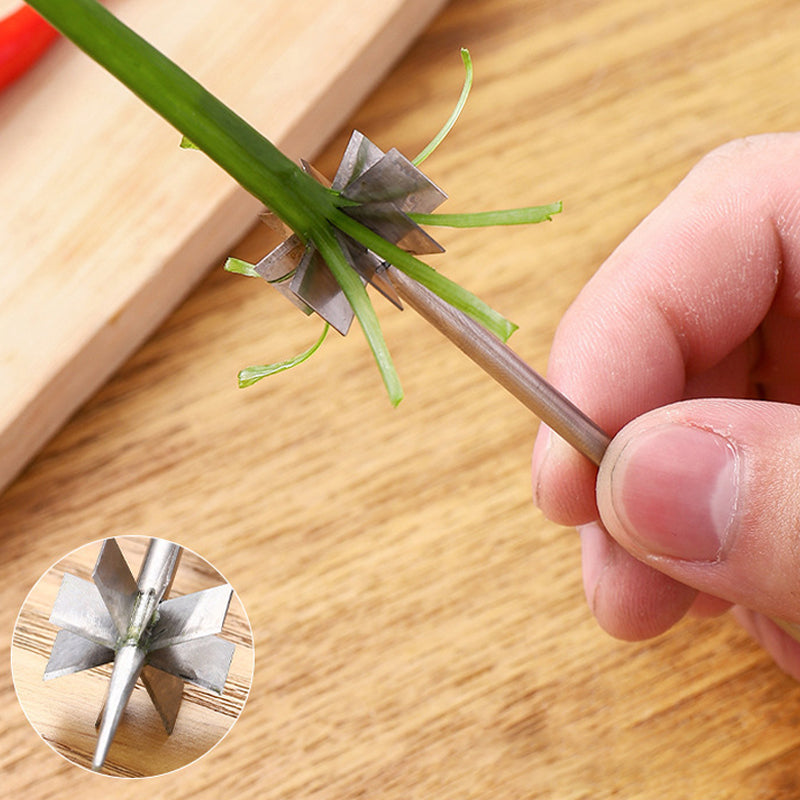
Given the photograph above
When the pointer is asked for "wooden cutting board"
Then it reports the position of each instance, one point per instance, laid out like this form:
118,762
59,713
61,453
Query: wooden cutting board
105,223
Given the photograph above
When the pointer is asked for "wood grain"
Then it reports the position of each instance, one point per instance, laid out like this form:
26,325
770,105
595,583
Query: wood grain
133,222
64,711
420,629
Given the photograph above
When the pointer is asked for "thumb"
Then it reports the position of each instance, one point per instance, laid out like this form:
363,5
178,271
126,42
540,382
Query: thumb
708,492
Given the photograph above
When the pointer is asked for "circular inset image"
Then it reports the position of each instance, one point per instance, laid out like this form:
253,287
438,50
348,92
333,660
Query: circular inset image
132,656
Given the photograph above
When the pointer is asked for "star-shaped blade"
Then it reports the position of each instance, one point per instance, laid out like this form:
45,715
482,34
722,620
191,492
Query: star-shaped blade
385,188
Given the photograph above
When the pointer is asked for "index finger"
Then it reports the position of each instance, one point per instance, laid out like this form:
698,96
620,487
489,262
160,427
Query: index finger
679,297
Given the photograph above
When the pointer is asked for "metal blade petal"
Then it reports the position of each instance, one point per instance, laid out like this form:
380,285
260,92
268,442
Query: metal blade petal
192,616
359,155
204,662
72,653
395,179
315,285
392,224
116,585
166,692
80,608
278,266
282,260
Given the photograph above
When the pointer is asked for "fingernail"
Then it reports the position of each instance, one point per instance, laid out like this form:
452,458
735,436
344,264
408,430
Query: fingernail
674,489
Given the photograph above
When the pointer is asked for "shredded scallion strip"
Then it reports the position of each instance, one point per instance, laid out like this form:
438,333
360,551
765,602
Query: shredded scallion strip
356,294
251,375
437,140
239,267
481,219
448,290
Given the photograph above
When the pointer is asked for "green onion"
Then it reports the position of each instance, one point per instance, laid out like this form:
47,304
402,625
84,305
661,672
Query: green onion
208,125
251,159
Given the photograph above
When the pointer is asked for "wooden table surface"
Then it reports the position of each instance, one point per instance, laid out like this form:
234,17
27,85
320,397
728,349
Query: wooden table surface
420,629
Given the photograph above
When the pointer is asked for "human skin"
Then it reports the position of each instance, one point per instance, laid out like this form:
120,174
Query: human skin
685,346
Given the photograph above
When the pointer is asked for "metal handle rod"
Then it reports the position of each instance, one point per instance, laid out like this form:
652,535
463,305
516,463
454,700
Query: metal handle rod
158,567
506,367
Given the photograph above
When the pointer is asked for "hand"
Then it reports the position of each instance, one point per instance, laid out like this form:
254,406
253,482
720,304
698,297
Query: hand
697,502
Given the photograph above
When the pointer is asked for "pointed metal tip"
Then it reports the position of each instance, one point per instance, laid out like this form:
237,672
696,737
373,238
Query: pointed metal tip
98,760
102,747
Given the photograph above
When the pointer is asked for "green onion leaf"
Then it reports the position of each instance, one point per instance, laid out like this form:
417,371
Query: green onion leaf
437,140
251,375
481,219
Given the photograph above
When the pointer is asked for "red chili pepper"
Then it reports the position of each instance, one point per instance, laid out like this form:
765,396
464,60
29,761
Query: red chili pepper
24,36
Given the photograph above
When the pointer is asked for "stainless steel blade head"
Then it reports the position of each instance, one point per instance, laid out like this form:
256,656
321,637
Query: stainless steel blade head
385,187
133,623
